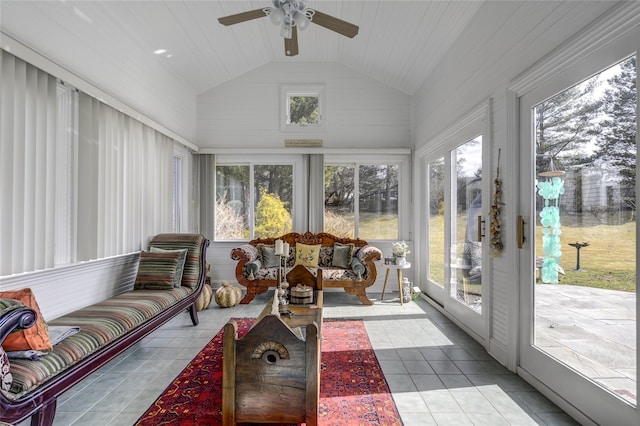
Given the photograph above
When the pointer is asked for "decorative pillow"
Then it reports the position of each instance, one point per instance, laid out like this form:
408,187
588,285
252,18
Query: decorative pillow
5,374
156,271
307,255
342,254
177,279
36,337
326,256
268,257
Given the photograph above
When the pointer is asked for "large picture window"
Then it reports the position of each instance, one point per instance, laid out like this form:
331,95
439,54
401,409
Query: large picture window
253,200
361,200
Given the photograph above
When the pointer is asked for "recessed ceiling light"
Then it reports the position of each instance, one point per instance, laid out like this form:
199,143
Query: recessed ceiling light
160,51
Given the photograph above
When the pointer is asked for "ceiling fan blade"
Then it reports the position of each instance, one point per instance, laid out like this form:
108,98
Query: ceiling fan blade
334,24
242,17
291,44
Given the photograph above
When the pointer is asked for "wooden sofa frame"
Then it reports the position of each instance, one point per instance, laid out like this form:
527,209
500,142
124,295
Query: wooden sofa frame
353,287
40,404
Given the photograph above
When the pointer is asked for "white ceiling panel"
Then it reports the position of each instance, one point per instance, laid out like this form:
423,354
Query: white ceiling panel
399,42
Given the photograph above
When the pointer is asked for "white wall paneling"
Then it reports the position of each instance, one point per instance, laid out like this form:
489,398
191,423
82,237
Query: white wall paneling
65,289
361,112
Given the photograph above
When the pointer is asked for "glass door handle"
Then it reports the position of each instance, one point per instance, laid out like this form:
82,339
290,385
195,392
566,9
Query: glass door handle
521,237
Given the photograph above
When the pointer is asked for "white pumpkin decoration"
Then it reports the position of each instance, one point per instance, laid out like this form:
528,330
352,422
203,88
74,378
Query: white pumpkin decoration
228,295
204,300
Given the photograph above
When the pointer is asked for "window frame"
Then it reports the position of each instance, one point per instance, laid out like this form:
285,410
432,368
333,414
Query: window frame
288,90
404,196
477,122
535,87
298,215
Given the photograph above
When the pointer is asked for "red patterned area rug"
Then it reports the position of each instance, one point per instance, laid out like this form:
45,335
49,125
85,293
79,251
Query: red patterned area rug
353,390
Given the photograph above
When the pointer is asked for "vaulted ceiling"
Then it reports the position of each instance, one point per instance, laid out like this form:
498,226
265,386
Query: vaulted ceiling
399,42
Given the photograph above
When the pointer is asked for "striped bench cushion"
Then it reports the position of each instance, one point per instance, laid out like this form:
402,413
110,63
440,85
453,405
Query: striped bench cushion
99,324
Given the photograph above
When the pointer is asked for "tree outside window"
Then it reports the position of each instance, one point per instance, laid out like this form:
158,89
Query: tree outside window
375,215
303,110
258,209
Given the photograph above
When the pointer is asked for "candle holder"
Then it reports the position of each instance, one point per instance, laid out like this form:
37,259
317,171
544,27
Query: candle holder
282,251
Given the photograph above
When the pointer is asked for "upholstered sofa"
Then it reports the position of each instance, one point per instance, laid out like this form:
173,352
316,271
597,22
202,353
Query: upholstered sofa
343,262
162,289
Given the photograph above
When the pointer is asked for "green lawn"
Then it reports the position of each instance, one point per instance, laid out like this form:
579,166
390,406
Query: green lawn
372,226
608,262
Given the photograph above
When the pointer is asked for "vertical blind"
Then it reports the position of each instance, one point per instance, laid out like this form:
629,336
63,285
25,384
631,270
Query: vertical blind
28,167
125,181
79,180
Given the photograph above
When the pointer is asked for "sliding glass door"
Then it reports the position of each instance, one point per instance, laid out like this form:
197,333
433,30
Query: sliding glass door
578,260
454,223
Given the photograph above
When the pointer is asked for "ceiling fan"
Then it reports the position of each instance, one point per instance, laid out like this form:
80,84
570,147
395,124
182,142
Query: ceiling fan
291,15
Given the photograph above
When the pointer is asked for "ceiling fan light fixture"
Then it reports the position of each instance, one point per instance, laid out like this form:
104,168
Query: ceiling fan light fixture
276,15
291,15
302,19
285,30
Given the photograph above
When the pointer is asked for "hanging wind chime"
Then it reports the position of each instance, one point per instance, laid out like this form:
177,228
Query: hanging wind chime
550,189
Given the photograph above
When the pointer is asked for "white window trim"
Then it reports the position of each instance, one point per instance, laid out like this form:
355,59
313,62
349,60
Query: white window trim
472,124
404,186
298,210
303,90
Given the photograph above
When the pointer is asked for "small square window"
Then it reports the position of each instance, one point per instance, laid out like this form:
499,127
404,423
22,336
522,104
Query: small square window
303,108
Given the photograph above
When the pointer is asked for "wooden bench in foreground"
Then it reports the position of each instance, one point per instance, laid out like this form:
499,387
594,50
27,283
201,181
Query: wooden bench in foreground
272,374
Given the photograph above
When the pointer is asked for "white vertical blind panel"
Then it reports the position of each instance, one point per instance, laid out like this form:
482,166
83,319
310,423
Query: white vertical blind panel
29,162
88,165
18,172
64,208
6,164
47,176
28,167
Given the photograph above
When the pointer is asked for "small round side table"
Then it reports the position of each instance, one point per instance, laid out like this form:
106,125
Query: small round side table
399,268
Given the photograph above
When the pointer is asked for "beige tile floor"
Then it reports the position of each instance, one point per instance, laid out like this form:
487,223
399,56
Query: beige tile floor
437,374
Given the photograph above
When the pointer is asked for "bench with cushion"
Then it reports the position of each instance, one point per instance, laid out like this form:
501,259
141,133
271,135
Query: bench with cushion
343,262
106,328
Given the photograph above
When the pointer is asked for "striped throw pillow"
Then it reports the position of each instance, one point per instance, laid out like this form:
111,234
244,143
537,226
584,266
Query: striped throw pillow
156,271
177,279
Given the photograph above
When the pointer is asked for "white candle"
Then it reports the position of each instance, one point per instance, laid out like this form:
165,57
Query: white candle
286,250
279,248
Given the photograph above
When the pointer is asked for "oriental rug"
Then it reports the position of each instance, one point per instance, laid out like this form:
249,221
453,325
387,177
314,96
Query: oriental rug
353,390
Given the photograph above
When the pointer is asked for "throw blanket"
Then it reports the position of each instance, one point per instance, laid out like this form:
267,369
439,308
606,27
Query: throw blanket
56,334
